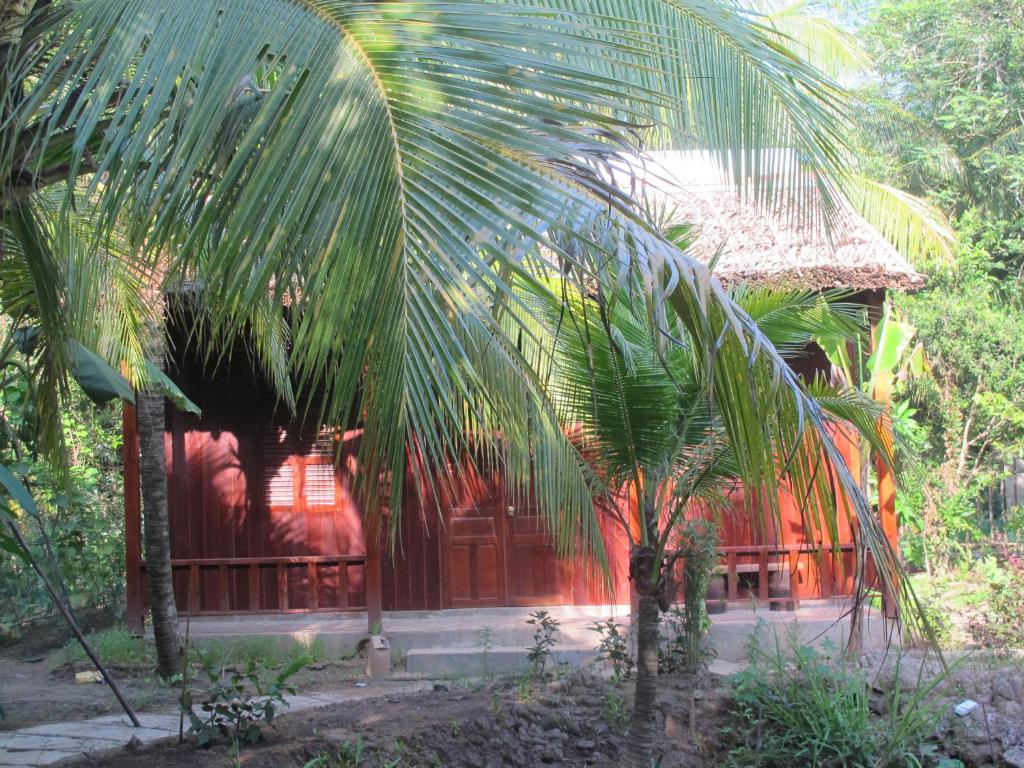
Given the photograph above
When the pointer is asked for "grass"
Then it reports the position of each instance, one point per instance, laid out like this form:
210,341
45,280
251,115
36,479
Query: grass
117,646
233,652
114,646
803,709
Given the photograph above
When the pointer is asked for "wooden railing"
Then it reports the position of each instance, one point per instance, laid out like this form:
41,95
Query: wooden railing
767,559
255,568
735,561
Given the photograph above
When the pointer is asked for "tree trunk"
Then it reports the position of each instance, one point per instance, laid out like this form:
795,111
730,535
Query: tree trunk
640,739
13,17
156,527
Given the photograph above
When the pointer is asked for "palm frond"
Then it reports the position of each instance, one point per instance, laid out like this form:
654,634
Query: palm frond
106,289
817,39
886,125
1011,142
374,162
791,319
917,229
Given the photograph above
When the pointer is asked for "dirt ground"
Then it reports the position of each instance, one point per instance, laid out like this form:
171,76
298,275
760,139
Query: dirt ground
575,721
23,681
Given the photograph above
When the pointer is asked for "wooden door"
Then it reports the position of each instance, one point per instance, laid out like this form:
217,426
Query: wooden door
474,559
536,575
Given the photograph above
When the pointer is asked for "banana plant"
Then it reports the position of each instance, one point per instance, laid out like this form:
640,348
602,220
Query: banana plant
894,354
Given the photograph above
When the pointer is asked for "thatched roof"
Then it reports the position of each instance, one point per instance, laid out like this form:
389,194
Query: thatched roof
761,246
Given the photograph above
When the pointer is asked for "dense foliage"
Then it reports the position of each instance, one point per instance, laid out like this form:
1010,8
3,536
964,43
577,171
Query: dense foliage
947,122
79,535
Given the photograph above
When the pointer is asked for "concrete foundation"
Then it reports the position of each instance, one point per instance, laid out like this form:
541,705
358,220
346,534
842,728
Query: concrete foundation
472,641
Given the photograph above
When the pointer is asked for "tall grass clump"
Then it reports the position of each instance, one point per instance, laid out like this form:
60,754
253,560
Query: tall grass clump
802,709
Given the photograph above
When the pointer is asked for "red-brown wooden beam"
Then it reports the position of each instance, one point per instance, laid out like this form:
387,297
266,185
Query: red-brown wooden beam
882,393
132,521
374,578
887,497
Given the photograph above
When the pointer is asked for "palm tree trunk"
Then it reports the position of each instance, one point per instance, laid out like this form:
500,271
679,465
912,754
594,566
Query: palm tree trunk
156,526
13,17
640,739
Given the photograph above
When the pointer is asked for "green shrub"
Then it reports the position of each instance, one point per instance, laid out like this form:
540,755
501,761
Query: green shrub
267,651
807,711
544,640
237,702
1000,626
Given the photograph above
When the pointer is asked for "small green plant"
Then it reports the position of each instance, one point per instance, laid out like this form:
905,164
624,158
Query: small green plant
495,708
806,710
237,702
616,711
351,754
614,646
544,640
486,646
397,759
683,648
525,690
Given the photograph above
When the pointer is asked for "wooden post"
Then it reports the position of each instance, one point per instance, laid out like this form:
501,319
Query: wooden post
886,482
132,521
794,578
374,578
887,495
882,393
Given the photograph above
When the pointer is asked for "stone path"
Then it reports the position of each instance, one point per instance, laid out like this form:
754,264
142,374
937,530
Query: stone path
51,743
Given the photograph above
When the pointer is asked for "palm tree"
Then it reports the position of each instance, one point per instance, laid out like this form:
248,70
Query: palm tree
654,429
111,310
391,168
156,529
388,168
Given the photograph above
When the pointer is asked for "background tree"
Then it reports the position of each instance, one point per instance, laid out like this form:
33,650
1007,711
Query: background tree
945,121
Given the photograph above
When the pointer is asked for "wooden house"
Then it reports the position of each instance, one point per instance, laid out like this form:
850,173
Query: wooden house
264,520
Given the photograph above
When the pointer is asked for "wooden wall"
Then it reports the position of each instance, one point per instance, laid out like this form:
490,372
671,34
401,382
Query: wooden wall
263,521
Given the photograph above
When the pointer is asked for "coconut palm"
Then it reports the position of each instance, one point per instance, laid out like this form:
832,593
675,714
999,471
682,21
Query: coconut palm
385,167
655,430
391,168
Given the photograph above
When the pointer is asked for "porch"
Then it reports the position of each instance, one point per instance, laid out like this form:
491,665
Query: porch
781,578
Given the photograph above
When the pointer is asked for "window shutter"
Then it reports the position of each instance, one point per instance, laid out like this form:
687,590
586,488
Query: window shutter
278,468
319,485
318,482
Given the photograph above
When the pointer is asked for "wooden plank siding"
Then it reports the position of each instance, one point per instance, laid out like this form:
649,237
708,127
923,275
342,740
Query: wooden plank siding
260,524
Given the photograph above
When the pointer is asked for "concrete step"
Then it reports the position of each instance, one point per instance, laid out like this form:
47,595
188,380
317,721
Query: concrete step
476,662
